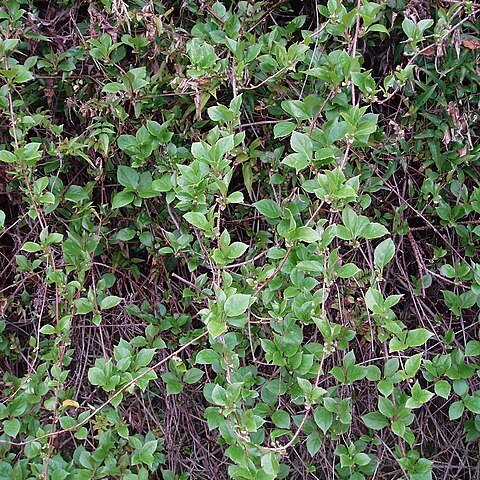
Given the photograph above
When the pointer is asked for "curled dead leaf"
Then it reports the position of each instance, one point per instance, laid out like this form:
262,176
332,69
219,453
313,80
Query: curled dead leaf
471,44
429,51
462,152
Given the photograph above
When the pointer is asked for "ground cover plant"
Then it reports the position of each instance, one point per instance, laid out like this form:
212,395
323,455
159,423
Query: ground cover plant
239,240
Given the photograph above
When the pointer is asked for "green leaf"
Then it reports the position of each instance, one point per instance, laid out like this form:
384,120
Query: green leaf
413,364
443,388
472,349
356,372
83,306
323,418
9,43
128,177
234,452
197,220
296,109
40,185
385,387
31,247
76,194
237,249
162,184
220,114
147,451
375,420
113,87
54,238
23,75
219,396
270,464
417,337
174,386
398,428
216,328
348,270
395,345
110,302
373,373
362,459
7,157
11,427
386,407
235,197
408,27
296,161
383,253
67,422
302,144
126,141
123,198
96,376
193,375
338,373
456,410
206,357
237,304
268,208
144,357
48,330
419,396
81,434
281,419
472,403
305,234
247,174
374,230
283,129
125,234
314,442
378,28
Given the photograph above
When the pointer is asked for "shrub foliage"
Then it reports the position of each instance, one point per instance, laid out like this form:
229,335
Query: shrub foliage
239,239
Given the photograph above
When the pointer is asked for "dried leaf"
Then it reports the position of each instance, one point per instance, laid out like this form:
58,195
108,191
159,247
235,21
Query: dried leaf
429,51
70,403
471,44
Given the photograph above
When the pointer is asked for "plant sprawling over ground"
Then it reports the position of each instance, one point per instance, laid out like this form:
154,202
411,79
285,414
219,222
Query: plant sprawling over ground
239,239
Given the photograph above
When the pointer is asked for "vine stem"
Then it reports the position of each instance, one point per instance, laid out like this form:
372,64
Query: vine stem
355,101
